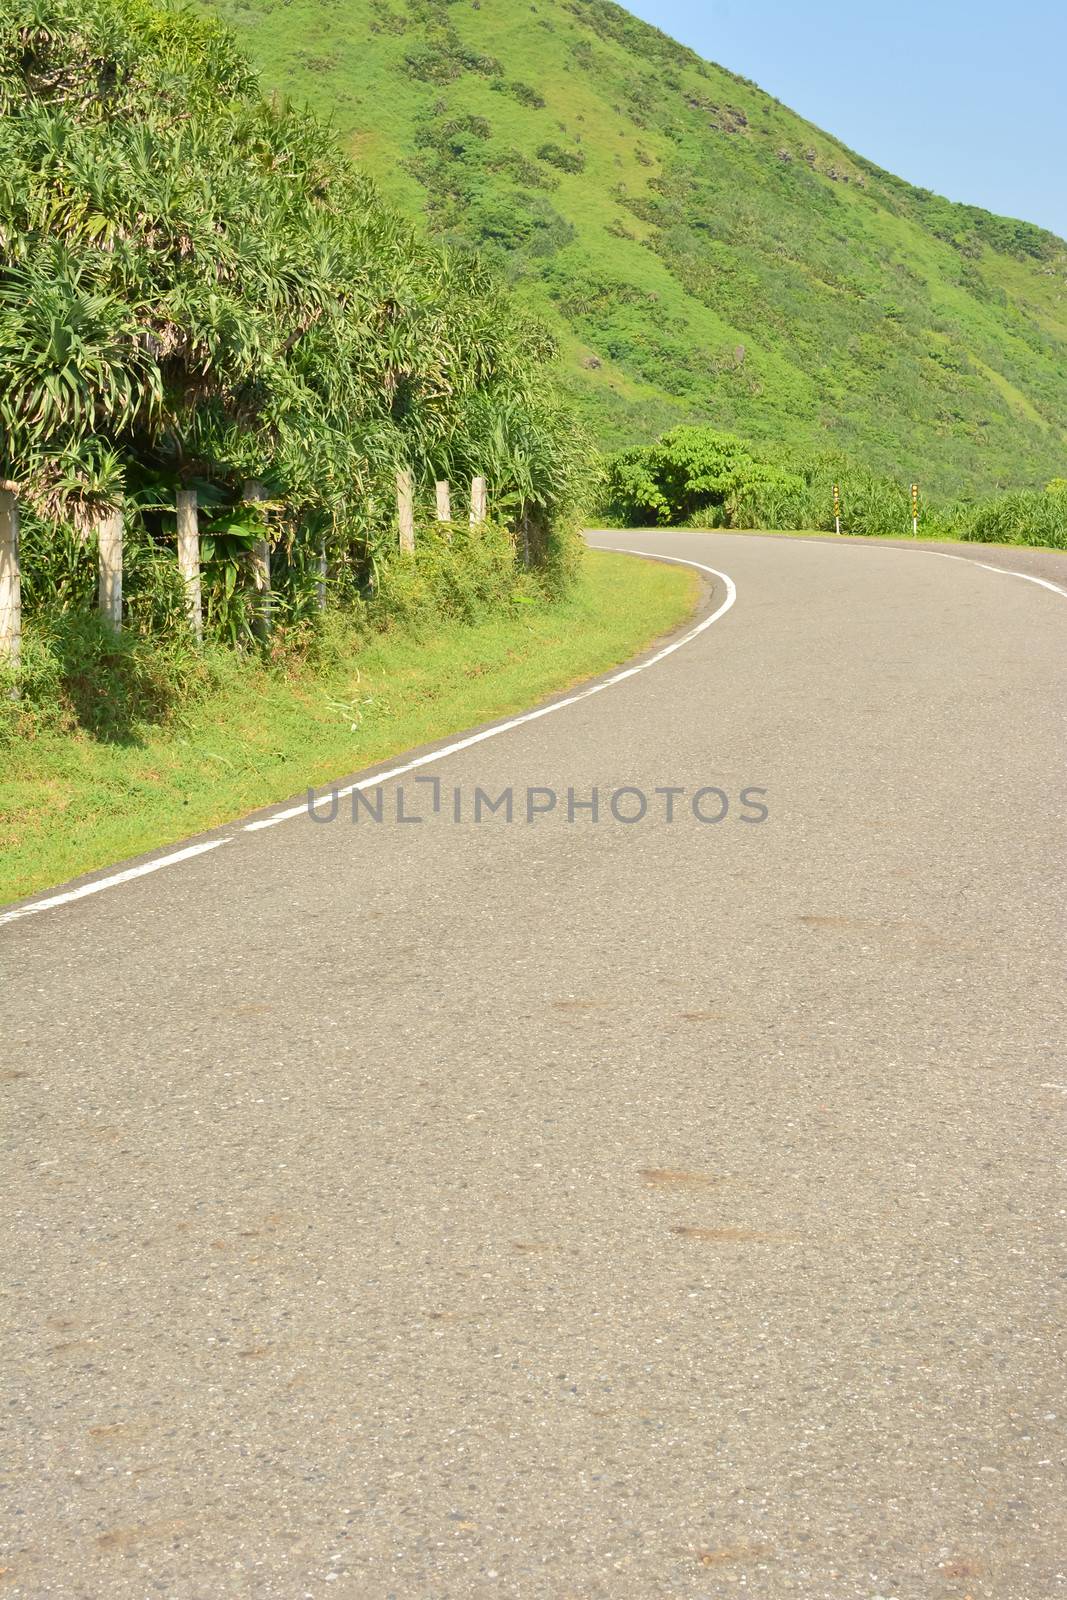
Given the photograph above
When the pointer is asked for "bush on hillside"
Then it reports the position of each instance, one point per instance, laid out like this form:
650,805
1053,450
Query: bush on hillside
519,91
565,160
692,474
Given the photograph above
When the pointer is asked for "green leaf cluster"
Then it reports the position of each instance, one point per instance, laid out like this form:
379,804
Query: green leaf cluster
197,287
692,472
698,478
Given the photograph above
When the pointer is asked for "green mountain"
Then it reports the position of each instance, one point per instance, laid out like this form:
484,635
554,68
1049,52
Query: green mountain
701,252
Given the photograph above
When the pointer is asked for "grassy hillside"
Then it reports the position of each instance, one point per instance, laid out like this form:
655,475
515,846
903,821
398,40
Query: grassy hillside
704,253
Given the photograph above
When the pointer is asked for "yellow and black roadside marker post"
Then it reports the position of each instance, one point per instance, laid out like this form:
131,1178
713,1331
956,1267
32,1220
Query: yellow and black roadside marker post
837,509
915,510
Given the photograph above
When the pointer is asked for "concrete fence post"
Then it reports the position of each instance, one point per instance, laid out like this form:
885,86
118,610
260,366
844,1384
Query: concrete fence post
189,559
252,492
477,501
109,553
10,583
405,506
444,501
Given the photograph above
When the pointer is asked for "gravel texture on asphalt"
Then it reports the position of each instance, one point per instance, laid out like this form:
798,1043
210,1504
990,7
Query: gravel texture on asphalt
578,1208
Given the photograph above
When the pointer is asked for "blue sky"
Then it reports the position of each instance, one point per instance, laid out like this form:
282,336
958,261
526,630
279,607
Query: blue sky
969,100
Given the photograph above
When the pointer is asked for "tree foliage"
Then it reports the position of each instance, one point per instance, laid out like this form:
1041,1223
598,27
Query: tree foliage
692,472
196,288
696,477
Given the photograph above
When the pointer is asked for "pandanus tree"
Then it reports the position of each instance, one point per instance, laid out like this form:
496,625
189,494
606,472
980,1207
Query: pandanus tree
195,286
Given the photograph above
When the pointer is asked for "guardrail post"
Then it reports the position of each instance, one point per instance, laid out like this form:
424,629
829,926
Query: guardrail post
10,584
189,559
252,492
444,501
477,501
405,506
109,553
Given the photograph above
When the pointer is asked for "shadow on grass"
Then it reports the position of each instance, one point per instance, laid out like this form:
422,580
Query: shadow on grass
77,675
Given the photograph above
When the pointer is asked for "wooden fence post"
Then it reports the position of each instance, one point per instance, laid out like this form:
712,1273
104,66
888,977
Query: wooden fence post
444,501
109,588
252,492
189,559
10,583
405,506
477,501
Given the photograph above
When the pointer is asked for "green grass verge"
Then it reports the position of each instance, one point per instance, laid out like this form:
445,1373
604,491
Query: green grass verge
817,533
70,804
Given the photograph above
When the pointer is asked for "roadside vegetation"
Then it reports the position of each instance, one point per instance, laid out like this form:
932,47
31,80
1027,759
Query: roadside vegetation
200,294
694,477
251,730
198,291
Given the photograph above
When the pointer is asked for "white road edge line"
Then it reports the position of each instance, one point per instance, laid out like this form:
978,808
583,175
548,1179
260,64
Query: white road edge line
115,878
527,716
409,766
874,543
475,738
1009,572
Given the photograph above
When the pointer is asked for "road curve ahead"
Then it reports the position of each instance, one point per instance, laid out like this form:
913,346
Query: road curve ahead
575,1208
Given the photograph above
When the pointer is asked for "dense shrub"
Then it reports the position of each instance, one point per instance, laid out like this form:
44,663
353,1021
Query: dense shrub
197,288
519,91
692,474
698,478
565,160
1023,517
457,575
78,675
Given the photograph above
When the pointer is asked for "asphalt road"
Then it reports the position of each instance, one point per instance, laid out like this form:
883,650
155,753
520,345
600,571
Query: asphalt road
575,1209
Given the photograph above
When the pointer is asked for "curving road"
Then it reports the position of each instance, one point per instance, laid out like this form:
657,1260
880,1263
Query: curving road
573,1209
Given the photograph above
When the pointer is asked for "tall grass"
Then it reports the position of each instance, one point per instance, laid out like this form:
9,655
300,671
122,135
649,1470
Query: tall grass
77,676
1026,516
